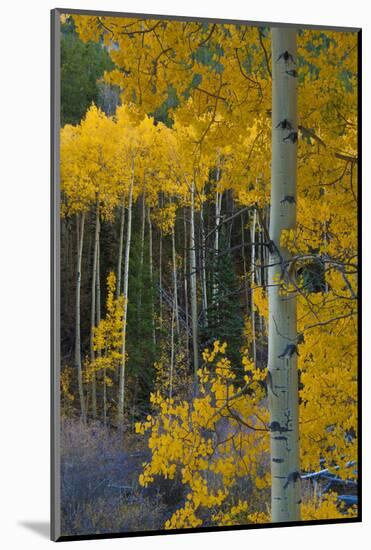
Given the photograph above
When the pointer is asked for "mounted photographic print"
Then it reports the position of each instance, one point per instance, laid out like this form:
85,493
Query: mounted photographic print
205,369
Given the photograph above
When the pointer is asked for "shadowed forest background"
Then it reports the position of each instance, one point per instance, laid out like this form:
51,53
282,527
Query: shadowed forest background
167,261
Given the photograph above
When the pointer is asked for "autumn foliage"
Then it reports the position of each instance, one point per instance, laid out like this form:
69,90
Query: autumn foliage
194,128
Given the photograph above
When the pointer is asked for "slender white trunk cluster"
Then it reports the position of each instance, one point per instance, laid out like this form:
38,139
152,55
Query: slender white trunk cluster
282,379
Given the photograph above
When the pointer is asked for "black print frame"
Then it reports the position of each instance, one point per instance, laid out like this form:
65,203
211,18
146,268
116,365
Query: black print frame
205,310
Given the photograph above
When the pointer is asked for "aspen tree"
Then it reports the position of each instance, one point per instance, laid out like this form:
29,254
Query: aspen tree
93,310
98,302
121,246
121,398
218,208
253,268
282,377
150,249
185,283
203,265
193,281
244,263
141,258
175,279
80,235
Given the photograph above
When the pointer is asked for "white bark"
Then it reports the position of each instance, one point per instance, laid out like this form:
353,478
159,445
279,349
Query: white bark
218,208
140,274
98,313
80,233
172,352
282,376
121,245
203,267
93,312
160,278
121,397
245,278
193,281
253,260
175,280
150,237
186,287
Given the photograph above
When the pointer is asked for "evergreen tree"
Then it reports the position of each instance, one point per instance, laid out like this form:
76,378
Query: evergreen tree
140,347
82,65
225,315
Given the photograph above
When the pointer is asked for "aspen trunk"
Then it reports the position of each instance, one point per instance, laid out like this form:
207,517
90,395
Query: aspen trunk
93,312
245,278
218,208
186,288
80,241
160,267
141,259
105,391
193,281
175,280
203,266
121,397
121,246
172,352
253,260
98,312
160,278
282,358
150,237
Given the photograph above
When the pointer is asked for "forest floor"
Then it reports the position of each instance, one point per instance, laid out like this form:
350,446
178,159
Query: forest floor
99,483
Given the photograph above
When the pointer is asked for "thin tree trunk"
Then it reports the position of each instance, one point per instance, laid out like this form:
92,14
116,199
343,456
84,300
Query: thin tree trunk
121,245
172,352
244,262
175,280
160,278
203,266
98,313
282,357
93,312
150,238
105,391
193,278
160,200
186,287
253,260
218,208
141,259
121,397
80,239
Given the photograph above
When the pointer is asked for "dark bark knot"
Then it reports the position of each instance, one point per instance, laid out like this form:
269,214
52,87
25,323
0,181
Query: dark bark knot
286,56
292,137
293,477
292,72
289,351
284,124
276,427
289,199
